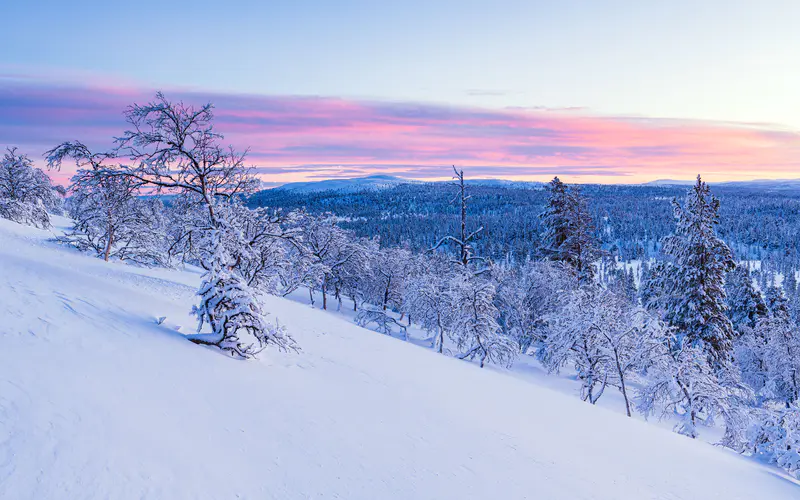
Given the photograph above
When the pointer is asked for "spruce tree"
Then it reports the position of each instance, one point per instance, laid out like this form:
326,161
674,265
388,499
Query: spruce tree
569,231
745,304
696,299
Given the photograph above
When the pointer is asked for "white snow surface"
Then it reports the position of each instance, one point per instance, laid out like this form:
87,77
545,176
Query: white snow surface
97,400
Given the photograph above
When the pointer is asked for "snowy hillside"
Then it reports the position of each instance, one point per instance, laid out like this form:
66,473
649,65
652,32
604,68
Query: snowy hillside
97,400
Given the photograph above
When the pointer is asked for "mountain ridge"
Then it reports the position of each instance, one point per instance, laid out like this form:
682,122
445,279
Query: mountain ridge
385,181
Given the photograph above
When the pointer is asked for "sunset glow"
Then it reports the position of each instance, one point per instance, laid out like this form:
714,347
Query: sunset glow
301,138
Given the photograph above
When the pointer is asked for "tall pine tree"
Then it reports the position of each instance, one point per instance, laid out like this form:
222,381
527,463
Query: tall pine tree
695,288
569,231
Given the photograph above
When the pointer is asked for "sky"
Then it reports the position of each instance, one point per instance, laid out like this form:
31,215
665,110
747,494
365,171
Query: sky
594,91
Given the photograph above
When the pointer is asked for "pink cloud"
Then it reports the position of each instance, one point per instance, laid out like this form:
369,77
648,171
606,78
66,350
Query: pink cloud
292,138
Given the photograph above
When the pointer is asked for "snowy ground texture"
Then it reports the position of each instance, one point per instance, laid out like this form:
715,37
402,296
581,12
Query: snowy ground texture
99,401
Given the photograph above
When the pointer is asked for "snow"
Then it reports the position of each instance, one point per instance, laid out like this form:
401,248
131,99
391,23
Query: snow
97,400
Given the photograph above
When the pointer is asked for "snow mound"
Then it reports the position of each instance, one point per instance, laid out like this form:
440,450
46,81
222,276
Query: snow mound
99,400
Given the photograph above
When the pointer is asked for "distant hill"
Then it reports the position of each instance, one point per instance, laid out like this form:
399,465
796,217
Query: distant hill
759,184
506,183
378,182
669,182
381,182
766,184
347,185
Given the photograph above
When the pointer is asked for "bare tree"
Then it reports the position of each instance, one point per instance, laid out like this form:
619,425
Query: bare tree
175,149
462,243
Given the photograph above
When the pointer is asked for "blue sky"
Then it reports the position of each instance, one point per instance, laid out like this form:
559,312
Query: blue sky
710,60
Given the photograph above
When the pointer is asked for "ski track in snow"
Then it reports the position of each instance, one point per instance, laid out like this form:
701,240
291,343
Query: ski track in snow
99,401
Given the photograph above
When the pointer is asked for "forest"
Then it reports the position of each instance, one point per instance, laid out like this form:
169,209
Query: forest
491,273
760,223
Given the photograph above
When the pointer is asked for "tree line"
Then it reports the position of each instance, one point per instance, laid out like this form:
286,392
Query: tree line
630,221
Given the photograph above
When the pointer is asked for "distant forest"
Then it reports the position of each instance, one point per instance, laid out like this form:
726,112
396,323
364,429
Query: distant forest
758,223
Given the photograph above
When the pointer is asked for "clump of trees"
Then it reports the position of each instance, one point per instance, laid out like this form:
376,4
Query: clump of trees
569,231
172,148
27,195
110,218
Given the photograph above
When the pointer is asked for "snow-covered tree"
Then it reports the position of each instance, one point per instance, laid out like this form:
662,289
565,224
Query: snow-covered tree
261,258
464,242
775,438
569,231
572,336
26,192
789,284
475,329
355,277
526,295
185,214
777,303
769,358
622,282
383,321
329,250
768,355
24,213
694,377
794,306
779,353
351,277
604,337
109,217
653,286
228,306
428,296
682,382
110,222
173,148
745,304
694,288
750,355
390,269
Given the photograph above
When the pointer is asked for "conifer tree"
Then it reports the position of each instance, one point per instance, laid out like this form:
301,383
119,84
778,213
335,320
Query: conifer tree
745,304
695,298
568,234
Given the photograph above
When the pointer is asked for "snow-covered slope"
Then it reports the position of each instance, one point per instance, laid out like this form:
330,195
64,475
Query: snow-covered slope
99,401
